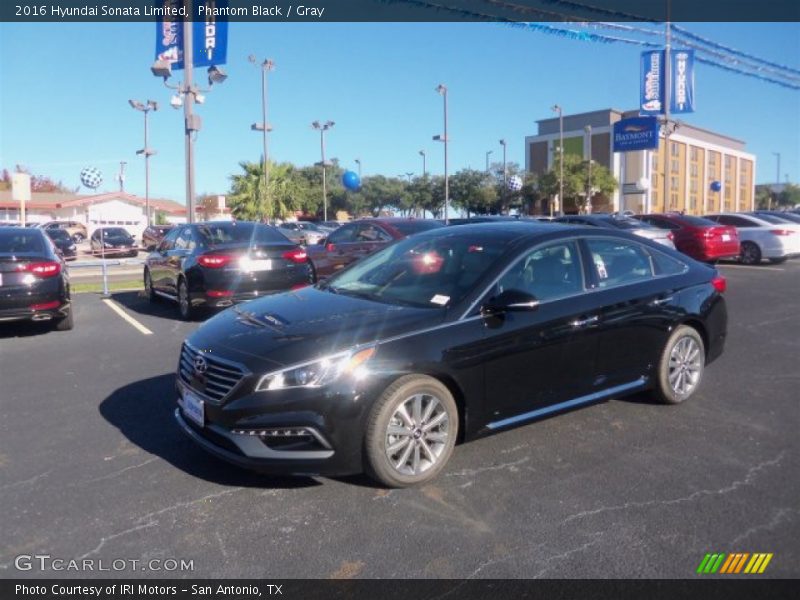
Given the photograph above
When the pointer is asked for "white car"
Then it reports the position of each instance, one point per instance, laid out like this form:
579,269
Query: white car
302,232
761,239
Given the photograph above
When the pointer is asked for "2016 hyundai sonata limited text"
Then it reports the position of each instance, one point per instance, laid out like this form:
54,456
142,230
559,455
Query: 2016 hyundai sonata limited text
445,336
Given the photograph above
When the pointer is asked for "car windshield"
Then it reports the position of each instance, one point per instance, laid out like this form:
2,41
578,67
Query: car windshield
58,234
411,227
20,241
113,232
214,234
426,272
308,226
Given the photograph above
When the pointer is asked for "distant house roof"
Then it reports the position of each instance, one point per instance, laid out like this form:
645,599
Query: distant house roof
47,200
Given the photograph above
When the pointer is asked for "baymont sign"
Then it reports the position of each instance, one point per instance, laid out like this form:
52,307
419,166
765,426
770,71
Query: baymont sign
636,133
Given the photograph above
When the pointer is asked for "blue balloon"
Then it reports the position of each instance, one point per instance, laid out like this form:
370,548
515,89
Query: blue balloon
715,186
351,181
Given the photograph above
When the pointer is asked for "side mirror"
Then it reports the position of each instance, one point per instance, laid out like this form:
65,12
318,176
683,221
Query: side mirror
511,301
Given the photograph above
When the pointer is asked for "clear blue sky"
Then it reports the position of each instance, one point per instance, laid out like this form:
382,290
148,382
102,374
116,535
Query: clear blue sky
65,91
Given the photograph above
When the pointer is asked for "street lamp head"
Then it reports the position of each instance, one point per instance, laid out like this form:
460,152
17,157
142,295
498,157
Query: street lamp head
252,58
422,152
329,124
358,161
502,142
556,109
176,101
588,129
441,89
152,104
162,68
216,75
135,104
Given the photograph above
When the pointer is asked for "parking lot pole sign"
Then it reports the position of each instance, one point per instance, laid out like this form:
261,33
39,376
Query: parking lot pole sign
21,192
209,35
169,34
682,81
651,83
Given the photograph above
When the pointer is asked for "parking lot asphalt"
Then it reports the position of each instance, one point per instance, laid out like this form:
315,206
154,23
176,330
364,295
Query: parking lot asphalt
92,466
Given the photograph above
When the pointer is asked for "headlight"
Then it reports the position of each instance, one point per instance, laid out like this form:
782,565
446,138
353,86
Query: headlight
107,245
316,373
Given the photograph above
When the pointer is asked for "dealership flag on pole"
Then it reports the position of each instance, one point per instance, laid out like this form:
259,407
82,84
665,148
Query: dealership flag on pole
209,36
651,96
682,82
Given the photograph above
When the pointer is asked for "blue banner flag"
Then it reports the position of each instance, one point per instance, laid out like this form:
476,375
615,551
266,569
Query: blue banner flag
651,96
636,133
209,34
682,82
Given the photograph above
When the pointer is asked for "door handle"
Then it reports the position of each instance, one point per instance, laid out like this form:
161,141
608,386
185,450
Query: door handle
660,301
585,322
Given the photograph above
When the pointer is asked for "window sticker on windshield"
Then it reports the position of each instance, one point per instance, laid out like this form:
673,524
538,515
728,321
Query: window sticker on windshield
440,299
601,266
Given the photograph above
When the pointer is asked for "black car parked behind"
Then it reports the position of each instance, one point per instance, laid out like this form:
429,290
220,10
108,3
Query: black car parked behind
450,334
217,264
63,242
116,241
34,284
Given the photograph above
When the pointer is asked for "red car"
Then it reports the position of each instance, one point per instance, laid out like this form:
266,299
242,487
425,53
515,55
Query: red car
699,238
357,239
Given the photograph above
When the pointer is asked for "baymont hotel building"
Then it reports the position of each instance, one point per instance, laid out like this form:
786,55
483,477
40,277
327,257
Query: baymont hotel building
700,172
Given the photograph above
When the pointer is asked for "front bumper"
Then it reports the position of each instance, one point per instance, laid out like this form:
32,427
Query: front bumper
238,431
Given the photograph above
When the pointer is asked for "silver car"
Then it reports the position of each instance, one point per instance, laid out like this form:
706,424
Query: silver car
762,237
624,222
302,232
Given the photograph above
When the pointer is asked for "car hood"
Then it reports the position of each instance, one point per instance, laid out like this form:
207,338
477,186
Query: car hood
293,327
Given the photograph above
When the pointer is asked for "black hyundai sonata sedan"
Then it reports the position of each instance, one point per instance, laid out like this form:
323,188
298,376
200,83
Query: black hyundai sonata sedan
446,336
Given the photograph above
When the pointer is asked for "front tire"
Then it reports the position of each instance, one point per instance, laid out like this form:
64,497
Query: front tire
411,432
750,253
184,302
149,291
681,367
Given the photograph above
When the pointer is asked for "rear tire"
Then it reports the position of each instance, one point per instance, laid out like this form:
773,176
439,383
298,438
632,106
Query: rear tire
680,370
65,323
750,253
411,432
185,308
778,261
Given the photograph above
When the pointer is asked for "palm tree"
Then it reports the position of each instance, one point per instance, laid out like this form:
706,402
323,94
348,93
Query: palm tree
248,198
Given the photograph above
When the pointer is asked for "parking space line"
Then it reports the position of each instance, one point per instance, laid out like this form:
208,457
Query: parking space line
752,267
125,316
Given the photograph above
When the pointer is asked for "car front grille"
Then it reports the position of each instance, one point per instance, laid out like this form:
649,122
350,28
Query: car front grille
217,381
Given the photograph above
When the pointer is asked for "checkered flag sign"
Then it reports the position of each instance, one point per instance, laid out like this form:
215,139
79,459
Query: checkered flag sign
515,183
91,177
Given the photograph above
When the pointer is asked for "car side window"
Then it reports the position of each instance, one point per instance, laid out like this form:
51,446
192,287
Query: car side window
185,240
548,273
169,241
619,262
662,224
371,233
342,235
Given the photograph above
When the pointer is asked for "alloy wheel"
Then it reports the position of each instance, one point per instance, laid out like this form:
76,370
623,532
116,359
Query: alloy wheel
685,366
417,434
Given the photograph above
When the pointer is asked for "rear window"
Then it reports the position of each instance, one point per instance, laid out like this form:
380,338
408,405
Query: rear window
696,221
214,234
21,241
411,227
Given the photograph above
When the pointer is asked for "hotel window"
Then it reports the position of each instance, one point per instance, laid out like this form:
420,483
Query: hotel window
692,202
728,161
673,201
673,149
693,170
693,154
655,161
712,159
673,165
693,186
673,183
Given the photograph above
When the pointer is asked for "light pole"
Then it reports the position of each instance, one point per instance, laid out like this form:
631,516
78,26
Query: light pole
442,90
147,151
558,109
588,207
322,128
187,95
488,153
409,175
358,162
424,171
777,179
505,175
267,65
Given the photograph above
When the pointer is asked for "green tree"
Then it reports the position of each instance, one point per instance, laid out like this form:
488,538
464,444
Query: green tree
576,181
473,191
382,192
248,199
790,195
